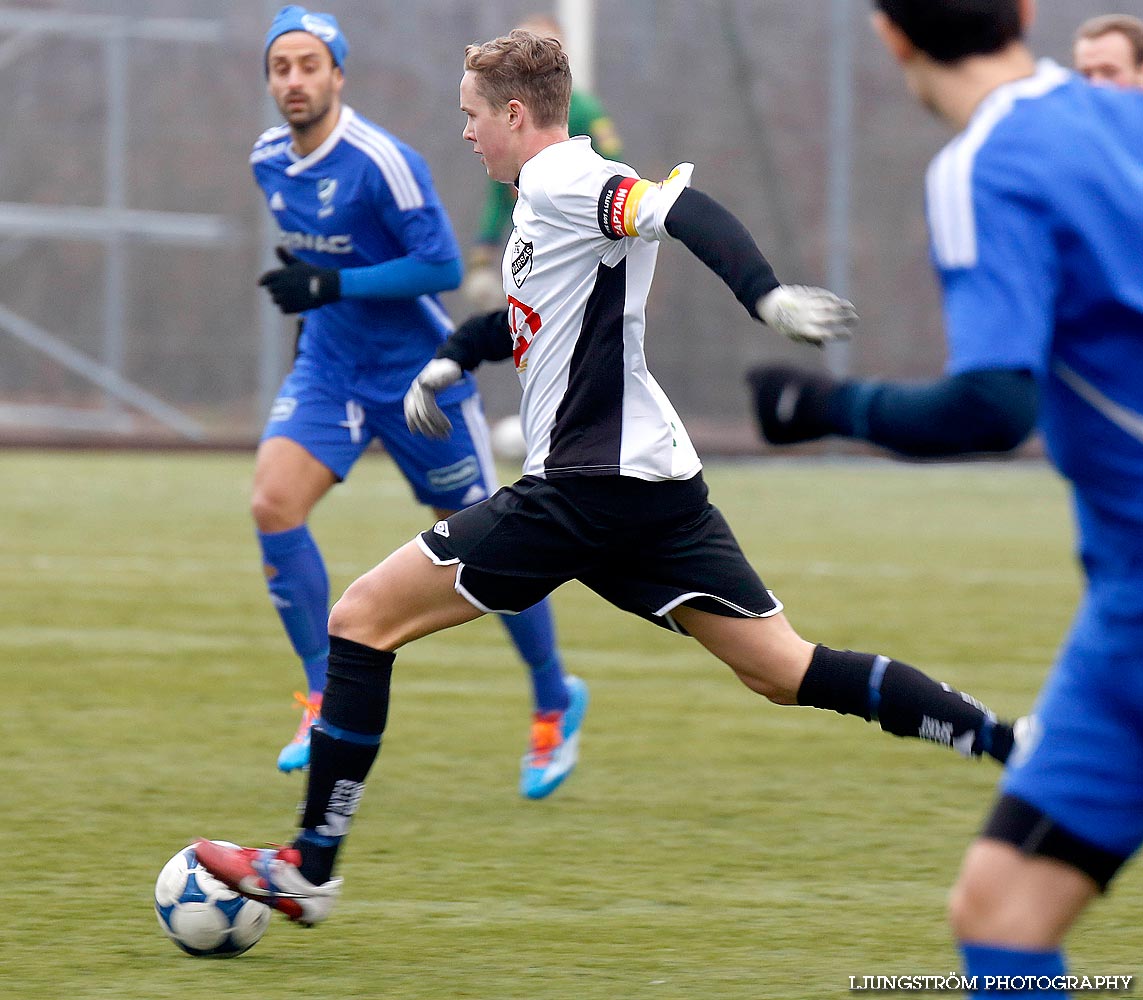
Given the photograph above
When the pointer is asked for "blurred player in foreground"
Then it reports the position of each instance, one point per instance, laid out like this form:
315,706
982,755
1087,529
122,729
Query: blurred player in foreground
365,245
1109,50
483,286
612,492
1036,215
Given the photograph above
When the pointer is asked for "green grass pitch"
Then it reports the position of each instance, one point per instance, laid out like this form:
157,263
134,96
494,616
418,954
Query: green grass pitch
711,845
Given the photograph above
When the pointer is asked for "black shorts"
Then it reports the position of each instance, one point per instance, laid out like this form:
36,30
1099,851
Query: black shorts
645,547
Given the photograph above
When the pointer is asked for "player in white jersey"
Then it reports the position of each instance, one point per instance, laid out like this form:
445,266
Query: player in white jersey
612,494
576,307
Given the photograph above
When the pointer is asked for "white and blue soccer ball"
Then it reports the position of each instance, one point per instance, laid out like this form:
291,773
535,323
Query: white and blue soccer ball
201,915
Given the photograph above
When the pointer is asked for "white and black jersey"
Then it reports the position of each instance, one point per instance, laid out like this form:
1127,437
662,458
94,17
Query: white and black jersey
612,493
577,271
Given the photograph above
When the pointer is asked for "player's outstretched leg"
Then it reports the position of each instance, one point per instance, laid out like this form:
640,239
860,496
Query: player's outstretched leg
299,588
560,702
904,701
298,880
771,659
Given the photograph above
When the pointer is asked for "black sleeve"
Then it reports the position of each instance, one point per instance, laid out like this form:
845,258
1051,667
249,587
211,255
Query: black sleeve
477,339
716,237
980,411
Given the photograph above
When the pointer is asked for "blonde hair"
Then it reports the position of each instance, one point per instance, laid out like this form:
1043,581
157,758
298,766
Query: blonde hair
524,67
1130,27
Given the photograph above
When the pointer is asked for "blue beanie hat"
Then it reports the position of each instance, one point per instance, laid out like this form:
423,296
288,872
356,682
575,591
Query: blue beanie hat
321,26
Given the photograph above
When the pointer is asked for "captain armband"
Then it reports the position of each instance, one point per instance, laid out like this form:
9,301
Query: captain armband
631,206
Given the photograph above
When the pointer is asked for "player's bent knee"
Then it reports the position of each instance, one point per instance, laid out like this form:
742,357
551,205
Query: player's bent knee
357,614
774,688
968,908
273,512
983,904
1015,895
402,599
366,623
777,672
263,510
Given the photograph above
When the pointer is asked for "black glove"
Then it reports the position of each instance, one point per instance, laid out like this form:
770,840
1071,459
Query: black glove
300,286
791,404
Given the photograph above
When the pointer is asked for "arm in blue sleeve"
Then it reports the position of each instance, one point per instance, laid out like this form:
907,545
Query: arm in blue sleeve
981,411
401,278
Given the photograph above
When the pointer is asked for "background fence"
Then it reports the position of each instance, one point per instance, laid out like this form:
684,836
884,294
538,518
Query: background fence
131,233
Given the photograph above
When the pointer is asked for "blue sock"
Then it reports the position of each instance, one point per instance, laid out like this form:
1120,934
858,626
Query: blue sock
990,964
299,588
534,634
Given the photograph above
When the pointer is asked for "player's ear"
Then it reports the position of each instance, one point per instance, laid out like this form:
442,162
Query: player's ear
893,38
515,113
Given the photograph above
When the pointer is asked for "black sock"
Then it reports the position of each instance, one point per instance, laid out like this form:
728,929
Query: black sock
344,742
903,700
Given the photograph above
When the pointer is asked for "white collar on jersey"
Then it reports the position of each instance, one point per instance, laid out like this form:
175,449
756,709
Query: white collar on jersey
301,163
562,144
1049,75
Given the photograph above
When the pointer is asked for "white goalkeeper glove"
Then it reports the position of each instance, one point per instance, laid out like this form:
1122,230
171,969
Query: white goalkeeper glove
807,314
422,413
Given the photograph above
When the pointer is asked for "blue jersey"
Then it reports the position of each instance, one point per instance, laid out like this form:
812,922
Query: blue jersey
363,197
1036,217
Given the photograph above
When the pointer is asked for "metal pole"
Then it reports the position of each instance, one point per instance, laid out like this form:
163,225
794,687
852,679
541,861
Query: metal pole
271,337
115,198
577,18
840,165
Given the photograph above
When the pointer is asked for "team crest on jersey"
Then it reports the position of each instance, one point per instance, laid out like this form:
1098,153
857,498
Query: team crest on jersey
522,253
277,202
326,189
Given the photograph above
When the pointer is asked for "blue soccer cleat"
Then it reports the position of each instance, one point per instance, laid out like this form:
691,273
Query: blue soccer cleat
295,755
555,745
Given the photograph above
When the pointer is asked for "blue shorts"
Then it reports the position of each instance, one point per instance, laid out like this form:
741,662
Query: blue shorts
336,426
1083,763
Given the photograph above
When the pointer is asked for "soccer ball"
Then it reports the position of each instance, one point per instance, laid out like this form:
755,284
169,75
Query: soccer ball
201,915
508,440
